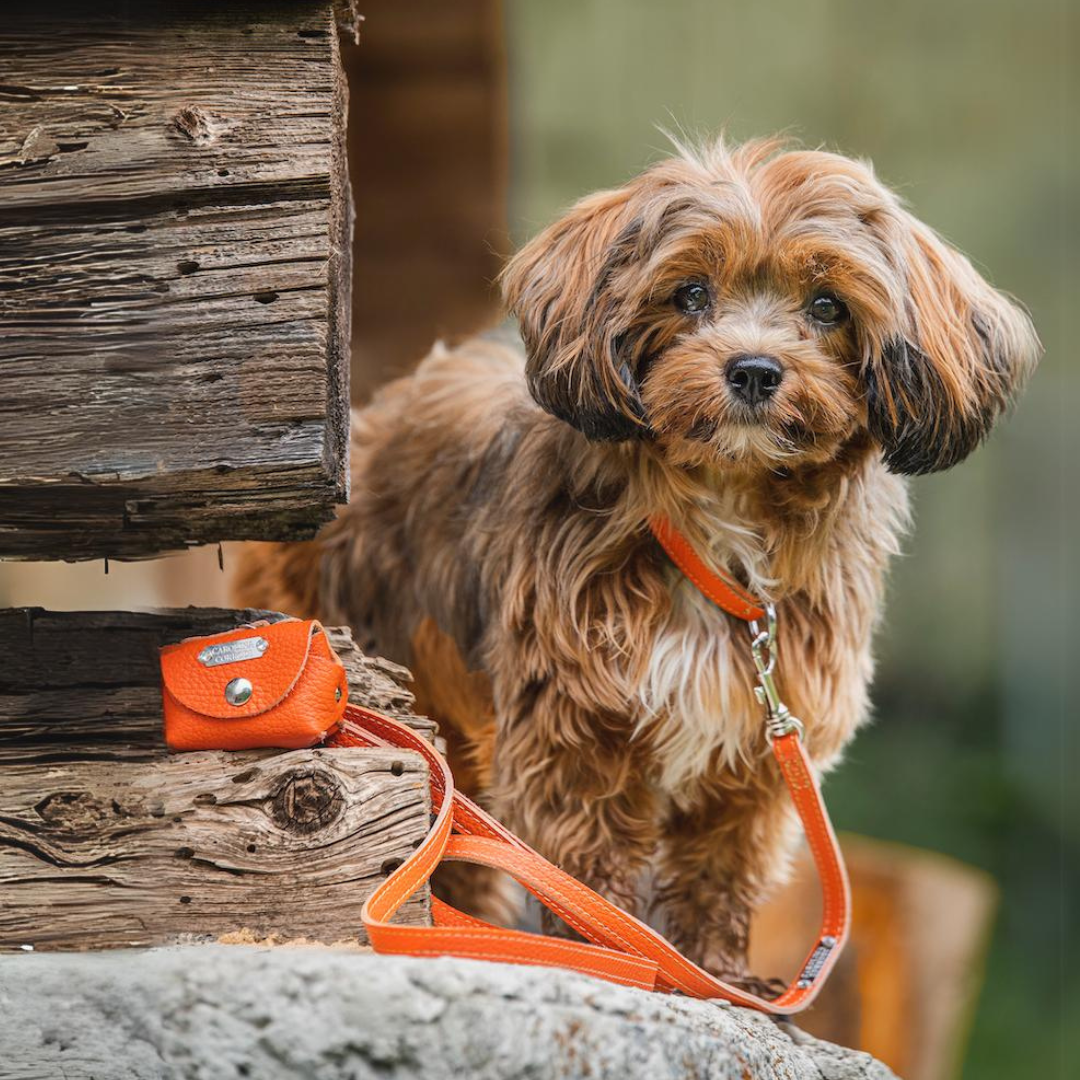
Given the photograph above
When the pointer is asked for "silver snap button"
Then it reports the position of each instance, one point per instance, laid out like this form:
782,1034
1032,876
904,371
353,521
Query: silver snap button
237,691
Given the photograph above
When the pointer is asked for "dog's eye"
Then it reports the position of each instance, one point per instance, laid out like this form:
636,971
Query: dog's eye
826,309
693,298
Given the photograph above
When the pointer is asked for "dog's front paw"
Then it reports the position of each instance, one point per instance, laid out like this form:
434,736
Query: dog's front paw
552,926
734,972
763,988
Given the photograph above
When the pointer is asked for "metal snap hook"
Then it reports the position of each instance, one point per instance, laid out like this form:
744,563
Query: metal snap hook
763,649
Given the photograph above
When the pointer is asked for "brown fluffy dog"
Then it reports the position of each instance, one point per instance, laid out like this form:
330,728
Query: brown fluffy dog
758,344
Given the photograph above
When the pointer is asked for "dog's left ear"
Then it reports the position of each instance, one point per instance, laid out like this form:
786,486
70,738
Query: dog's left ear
572,318
958,354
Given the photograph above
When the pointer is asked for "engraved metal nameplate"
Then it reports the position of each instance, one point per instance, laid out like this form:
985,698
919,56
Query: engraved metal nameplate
816,963
232,652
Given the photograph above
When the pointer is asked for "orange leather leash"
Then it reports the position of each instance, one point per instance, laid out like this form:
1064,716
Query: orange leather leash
619,947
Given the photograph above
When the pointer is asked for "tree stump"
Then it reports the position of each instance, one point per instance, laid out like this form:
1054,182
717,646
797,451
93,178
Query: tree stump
107,839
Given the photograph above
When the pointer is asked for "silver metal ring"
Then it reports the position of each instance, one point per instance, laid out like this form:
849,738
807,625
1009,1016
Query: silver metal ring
788,725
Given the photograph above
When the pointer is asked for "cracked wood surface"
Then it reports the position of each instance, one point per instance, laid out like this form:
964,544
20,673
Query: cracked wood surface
106,839
174,276
107,854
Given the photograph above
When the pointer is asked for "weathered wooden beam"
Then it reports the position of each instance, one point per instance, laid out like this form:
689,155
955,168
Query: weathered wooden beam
106,839
175,233
116,852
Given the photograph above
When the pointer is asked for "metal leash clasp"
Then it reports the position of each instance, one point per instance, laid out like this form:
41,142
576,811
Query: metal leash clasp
778,718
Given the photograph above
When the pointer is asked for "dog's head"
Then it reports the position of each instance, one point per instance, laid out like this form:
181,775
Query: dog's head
761,307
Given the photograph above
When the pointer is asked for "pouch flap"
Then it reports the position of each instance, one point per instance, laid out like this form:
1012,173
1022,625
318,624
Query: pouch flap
198,672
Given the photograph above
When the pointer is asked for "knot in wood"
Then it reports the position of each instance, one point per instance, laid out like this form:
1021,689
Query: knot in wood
197,124
305,802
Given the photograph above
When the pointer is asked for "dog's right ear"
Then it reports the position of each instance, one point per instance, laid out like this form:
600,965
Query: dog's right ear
959,353
559,286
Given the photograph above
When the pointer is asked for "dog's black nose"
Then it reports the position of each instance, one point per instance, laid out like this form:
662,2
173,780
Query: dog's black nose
754,378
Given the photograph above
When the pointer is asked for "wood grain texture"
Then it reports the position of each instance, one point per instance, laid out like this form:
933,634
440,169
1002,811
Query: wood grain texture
106,839
174,276
97,854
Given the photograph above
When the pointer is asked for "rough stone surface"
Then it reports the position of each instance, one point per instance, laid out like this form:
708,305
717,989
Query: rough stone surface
219,1011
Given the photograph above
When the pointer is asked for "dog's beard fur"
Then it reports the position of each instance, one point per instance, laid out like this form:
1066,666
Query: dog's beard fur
603,706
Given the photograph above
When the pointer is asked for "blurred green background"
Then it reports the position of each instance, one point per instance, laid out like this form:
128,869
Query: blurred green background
966,108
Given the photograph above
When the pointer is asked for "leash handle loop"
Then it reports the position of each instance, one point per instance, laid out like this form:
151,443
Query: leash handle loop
620,948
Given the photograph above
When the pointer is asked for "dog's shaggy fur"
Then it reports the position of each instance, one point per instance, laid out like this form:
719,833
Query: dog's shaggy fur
496,541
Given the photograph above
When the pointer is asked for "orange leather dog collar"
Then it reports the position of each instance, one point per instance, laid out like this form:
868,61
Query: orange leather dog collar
723,591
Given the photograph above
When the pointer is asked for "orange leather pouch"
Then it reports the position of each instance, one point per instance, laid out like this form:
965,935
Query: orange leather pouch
273,685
